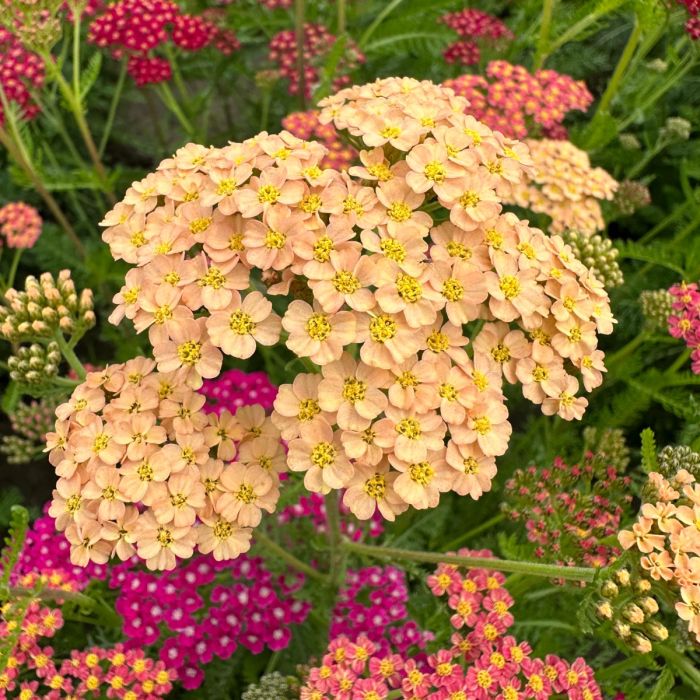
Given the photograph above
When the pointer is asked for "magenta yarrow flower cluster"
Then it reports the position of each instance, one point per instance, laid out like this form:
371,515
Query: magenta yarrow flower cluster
482,662
235,388
692,25
318,41
20,225
684,322
518,103
33,671
21,71
477,28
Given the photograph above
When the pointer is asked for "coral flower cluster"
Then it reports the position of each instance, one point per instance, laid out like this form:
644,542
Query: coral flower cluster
518,103
666,536
142,469
32,669
318,41
475,27
136,28
305,125
483,660
570,511
20,225
395,257
684,319
565,187
21,71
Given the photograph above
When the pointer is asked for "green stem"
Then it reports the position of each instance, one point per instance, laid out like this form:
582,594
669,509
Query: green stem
680,361
334,538
646,159
13,267
569,573
545,26
70,357
116,96
465,537
64,381
170,102
626,349
299,11
388,9
177,75
675,214
684,665
53,594
341,12
290,559
76,51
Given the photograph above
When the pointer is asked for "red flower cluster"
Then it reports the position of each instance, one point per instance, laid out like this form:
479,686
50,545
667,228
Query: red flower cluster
20,225
20,70
685,321
306,125
318,41
570,510
518,103
135,28
692,26
474,26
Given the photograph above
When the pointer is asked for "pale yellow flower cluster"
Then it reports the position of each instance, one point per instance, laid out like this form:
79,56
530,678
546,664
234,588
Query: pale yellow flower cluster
143,470
423,294
564,186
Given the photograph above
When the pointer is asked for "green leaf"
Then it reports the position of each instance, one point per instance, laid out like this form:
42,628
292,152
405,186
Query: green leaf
10,397
655,253
329,68
649,460
390,41
663,685
90,74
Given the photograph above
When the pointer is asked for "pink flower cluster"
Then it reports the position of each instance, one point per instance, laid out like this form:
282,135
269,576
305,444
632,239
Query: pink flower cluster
306,125
684,322
565,187
206,609
234,388
20,72
142,469
20,225
33,672
318,41
570,510
692,26
667,536
475,26
518,103
482,662
372,604
135,28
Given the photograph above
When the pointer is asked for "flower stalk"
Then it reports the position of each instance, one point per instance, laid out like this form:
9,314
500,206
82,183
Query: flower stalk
289,558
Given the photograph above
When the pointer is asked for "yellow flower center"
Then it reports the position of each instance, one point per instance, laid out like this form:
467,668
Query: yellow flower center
409,289
382,328
145,471
137,239
200,225
393,249
318,327
510,286
214,279
162,314
575,334
322,249
375,486
368,436
406,379
164,537
448,392
109,493
409,428
540,373
399,212
480,380
268,194
380,171
313,173
345,282
235,242
566,399
308,408
500,353
437,342
310,203
474,135
471,466
390,132
495,167
226,187
444,669
80,404
241,323
469,199
482,425
529,252
275,240
189,352
245,493
350,204
354,390
435,171
73,503
455,249
323,454
101,442
535,682
493,238
452,289
131,295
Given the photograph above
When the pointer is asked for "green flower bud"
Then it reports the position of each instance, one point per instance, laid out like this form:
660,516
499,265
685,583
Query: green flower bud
656,308
598,254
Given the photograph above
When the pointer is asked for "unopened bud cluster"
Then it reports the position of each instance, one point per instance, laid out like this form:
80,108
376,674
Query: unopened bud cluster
34,366
597,253
676,129
674,458
657,306
272,686
630,196
627,603
45,307
608,446
30,423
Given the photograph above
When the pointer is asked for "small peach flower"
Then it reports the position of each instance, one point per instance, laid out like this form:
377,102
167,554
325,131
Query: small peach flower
371,489
179,499
421,483
247,491
159,544
222,538
408,435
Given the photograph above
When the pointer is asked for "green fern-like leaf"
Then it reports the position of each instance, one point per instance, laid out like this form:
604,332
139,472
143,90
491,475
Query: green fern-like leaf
19,523
649,461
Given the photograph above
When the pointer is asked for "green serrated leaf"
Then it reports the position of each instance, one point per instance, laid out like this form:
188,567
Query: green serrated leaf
329,68
90,74
663,685
11,397
649,460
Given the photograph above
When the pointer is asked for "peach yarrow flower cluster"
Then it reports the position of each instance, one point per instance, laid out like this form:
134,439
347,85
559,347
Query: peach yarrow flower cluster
667,536
144,470
395,257
565,187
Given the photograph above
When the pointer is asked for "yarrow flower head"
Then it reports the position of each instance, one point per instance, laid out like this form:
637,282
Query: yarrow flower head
477,28
22,72
684,321
598,254
518,103
30,422
565,187
20,225
657,307
393,268
482,661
